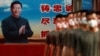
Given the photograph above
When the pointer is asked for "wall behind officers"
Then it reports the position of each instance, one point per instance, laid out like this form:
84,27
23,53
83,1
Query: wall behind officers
15,28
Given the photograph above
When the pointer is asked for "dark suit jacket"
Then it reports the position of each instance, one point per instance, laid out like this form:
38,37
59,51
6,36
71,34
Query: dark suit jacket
10,28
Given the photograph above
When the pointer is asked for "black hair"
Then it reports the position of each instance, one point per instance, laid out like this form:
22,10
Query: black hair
59,15
79,11
82,11
90,13
63,15
69,14
15,2
98,12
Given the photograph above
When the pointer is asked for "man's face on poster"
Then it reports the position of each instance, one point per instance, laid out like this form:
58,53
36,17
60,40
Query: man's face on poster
16,10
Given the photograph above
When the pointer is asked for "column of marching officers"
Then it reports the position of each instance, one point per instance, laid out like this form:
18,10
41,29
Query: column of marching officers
75,34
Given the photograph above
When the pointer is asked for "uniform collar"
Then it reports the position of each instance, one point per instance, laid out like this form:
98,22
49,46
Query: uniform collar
15,19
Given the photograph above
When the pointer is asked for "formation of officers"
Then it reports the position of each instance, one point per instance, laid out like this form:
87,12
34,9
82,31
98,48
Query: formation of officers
75,34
